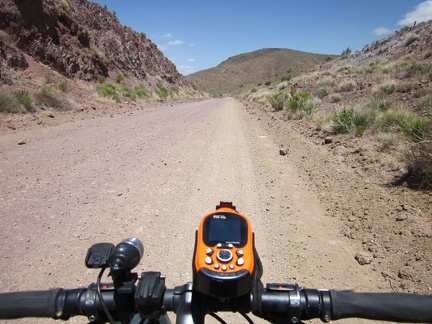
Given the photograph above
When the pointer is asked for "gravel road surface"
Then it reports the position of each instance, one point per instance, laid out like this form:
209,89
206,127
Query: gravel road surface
152,174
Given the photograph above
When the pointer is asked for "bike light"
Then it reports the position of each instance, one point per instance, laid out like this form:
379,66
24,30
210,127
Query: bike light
126,255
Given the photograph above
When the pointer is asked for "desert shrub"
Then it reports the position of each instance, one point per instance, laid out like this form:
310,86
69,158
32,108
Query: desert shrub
322,92
119,77
405,87
65,6
286,78
349,121
48,97
267,83
278,101
128,93
141,91
297,99
386,141
412,125
25,99
425,104
419,159
174,91
411,39
417,70
335,98
9,103
161,90
109,90
310,105
346,86
346,52
327,82
63,85
388,87
101,79
378,103
48,79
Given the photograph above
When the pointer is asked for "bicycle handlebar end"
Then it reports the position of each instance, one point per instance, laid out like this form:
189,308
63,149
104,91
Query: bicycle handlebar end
382,306
30,304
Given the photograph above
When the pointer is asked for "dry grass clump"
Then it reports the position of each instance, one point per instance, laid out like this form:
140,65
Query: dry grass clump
419,159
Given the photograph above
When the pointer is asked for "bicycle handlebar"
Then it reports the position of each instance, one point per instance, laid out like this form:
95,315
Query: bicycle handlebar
275,303
382,306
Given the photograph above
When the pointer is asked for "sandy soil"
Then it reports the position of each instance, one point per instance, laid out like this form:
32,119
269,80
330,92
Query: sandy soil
152,172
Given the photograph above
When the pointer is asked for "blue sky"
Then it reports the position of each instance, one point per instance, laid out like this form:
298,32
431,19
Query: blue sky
199,34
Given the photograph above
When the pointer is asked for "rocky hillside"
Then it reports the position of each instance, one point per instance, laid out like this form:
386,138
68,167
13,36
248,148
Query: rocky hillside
380,97
243,72
78,39
372,112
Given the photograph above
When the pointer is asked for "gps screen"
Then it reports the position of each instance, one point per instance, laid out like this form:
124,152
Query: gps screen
225,228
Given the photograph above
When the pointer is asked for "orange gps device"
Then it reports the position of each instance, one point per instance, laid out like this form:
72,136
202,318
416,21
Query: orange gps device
224,256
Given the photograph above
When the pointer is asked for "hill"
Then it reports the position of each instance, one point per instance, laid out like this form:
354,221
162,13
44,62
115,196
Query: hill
45,45
380,96
372,112
242,72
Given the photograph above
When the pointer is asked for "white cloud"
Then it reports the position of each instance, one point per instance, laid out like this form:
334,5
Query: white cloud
190,60
421,13
191,44
185,69
176,42
162,47
382,31
168,35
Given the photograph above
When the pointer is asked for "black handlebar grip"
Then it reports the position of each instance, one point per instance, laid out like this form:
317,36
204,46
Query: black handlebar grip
382,306
29,304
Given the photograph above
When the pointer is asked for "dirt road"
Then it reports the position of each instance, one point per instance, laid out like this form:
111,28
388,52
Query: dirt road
153,174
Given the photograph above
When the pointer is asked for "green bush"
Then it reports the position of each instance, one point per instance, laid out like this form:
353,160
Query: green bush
388,88
128,93
278,101
286,78
412,125
101,79
109,90
174,91
25,99
335,98
349,121
267,83
346,52
65,6
161,90
141,91
63,85
119,77
297,99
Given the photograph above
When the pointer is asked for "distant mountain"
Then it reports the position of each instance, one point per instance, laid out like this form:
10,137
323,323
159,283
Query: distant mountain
245,71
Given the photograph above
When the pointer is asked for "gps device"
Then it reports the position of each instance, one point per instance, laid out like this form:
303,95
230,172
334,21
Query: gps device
224,256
